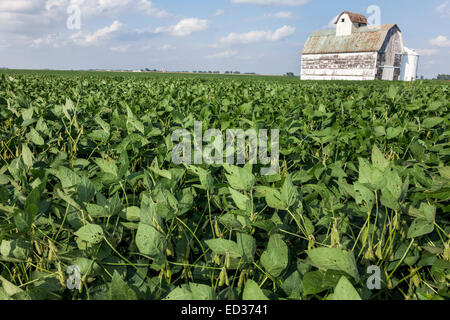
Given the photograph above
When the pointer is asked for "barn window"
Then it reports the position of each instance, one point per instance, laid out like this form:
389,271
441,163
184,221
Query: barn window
343,20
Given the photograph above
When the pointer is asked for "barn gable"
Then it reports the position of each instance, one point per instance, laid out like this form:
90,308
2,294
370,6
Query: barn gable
348,22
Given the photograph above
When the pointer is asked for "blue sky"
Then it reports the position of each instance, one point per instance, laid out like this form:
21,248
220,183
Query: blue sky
263,36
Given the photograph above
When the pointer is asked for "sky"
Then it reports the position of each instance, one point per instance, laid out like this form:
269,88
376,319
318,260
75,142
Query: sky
262,36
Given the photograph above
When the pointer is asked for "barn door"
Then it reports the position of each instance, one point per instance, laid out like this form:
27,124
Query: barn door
388,73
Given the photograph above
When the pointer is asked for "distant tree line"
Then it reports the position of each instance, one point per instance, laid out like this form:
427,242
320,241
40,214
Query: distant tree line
443,77
210,72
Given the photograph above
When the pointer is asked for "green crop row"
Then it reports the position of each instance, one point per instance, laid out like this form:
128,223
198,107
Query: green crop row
87,182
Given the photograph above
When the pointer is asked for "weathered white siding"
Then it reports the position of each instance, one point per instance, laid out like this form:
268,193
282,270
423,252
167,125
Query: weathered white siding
344,26
340,66
390,56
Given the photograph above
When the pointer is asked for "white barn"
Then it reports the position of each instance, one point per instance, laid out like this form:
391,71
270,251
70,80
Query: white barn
357,51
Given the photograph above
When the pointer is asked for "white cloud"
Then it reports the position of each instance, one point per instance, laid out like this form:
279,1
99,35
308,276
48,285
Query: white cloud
49,40
444,9
225,54
292,3
90,8
331,24
280,15
218,13
166,47
35,22
20,5
26,18
427,52
149,9
98,36
257,36
185,27
440,41
121,49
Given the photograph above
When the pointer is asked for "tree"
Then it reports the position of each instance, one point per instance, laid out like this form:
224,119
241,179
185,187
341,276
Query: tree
443,77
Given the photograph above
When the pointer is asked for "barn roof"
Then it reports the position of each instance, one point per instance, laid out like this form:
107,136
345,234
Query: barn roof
354,17
363,39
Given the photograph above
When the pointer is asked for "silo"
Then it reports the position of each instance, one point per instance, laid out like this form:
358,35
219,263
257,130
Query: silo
410,64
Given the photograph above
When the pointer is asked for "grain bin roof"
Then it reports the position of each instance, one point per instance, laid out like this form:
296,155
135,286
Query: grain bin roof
354,17
364,39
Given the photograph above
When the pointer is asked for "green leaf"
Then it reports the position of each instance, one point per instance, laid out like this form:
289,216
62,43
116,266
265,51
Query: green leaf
334,259
180,293
105,125
27,156
430,123
12,291
35,137
86,190
119,289
393,133
240,178
378,159
223,247
185,201
139,126
253,292
192,291
364,196
389,201
429,212
242,201
4,194
312,282
293,286
318,281
205,177
420,227
288,192
150,241
345,291
19,249
275,258
392,92
273,199
87,266
248,246
97,211
132,214
371,176
67,177
108,167
162,173
24,218
202,292
90,233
